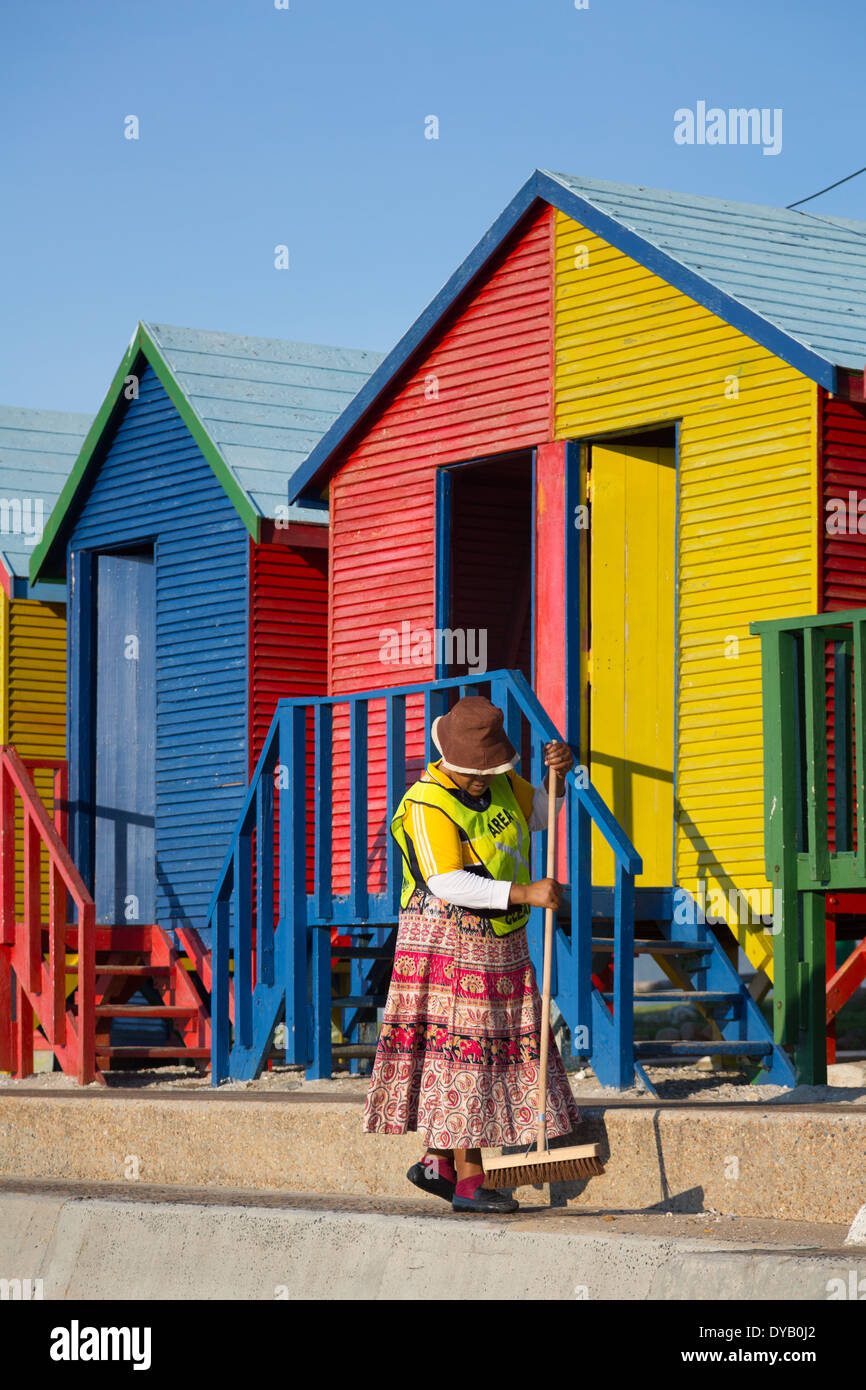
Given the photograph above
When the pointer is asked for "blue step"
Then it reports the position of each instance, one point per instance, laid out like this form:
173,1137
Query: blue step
674,1047
696,996
661,947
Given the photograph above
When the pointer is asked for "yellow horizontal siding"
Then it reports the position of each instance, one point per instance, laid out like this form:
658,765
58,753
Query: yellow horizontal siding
631,350
35,679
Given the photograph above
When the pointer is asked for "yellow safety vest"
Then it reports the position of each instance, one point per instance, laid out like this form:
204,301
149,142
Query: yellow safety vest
498,837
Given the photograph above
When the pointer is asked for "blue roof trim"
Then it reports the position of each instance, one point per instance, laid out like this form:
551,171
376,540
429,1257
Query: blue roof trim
703,291
306,483
305,476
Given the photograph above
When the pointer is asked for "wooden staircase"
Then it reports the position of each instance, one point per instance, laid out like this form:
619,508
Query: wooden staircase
70,987
141,978
281,949
702,975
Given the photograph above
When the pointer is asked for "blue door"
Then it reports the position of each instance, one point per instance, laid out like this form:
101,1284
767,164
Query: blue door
124,783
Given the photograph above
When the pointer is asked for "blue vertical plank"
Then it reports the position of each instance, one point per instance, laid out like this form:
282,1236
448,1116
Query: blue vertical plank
265,876
125,718
581,921
395,741
320,1031
220,1022
443,560
574,535
323,734
242,901
435,705
79,717
293,875
358,842
513,721
623,975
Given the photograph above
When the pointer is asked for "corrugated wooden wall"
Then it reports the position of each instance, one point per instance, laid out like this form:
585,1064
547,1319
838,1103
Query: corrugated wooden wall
842,427
632,350
154,483
484,387
288,649
288,629
33,663
842,552
37,678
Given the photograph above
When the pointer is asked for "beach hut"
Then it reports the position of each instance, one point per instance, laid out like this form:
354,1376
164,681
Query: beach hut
197,597
611,444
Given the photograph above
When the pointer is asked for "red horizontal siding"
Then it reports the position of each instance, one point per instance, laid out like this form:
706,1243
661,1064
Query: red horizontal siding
842,566
288,643
491,367
842,427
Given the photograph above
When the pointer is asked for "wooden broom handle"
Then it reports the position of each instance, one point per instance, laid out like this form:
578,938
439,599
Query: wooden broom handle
541,1145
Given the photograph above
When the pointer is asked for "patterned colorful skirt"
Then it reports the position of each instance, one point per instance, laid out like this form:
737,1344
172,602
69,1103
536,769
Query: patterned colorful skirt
457,1059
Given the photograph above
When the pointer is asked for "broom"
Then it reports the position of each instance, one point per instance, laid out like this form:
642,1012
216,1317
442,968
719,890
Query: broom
563,1165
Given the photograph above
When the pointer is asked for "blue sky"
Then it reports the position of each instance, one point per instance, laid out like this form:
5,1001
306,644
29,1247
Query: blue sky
305,127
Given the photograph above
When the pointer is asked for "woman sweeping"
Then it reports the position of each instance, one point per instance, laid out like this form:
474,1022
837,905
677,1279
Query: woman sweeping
457,1059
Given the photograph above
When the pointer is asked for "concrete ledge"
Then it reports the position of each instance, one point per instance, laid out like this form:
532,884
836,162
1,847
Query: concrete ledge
753,1160
108,1248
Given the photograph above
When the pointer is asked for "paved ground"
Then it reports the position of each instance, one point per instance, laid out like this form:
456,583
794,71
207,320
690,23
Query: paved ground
846,1084
745,1233
108,1241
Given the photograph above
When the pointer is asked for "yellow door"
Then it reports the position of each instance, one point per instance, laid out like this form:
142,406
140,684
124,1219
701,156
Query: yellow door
632,658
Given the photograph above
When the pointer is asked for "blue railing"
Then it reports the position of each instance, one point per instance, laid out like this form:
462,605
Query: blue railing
278,939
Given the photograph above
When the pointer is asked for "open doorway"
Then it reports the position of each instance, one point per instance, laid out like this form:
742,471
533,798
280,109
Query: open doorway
486,566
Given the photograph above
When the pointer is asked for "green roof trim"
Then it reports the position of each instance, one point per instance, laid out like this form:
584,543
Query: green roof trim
38,569
235,493
253,406
142,345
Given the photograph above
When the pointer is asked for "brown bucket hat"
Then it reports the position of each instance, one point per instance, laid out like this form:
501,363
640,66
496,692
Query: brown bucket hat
471,738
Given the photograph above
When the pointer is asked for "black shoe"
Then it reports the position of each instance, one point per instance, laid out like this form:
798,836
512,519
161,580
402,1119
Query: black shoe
487,1199
426,1177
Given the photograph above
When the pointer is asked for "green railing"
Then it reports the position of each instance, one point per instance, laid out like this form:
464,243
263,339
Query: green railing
814,807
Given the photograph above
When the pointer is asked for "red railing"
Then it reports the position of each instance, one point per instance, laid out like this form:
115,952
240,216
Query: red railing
39,986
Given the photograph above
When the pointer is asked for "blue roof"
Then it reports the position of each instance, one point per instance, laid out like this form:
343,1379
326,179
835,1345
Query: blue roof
793,281
37,451
801,271
263,402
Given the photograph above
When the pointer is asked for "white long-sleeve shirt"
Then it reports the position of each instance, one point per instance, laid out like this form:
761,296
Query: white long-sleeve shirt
487,894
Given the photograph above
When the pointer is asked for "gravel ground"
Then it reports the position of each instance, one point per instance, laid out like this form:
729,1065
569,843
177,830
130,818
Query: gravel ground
846,1083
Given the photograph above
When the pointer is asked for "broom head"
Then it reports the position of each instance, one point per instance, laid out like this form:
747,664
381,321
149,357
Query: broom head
555,1165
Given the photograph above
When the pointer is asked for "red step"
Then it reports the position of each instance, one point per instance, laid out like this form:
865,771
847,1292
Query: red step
144,1011
138,970
132,1051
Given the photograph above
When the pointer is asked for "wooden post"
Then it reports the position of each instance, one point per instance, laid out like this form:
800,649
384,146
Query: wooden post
623,975
781,794
293,878
811,1053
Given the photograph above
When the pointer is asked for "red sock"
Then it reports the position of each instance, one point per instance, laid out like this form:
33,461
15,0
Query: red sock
467,1187
439,1167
